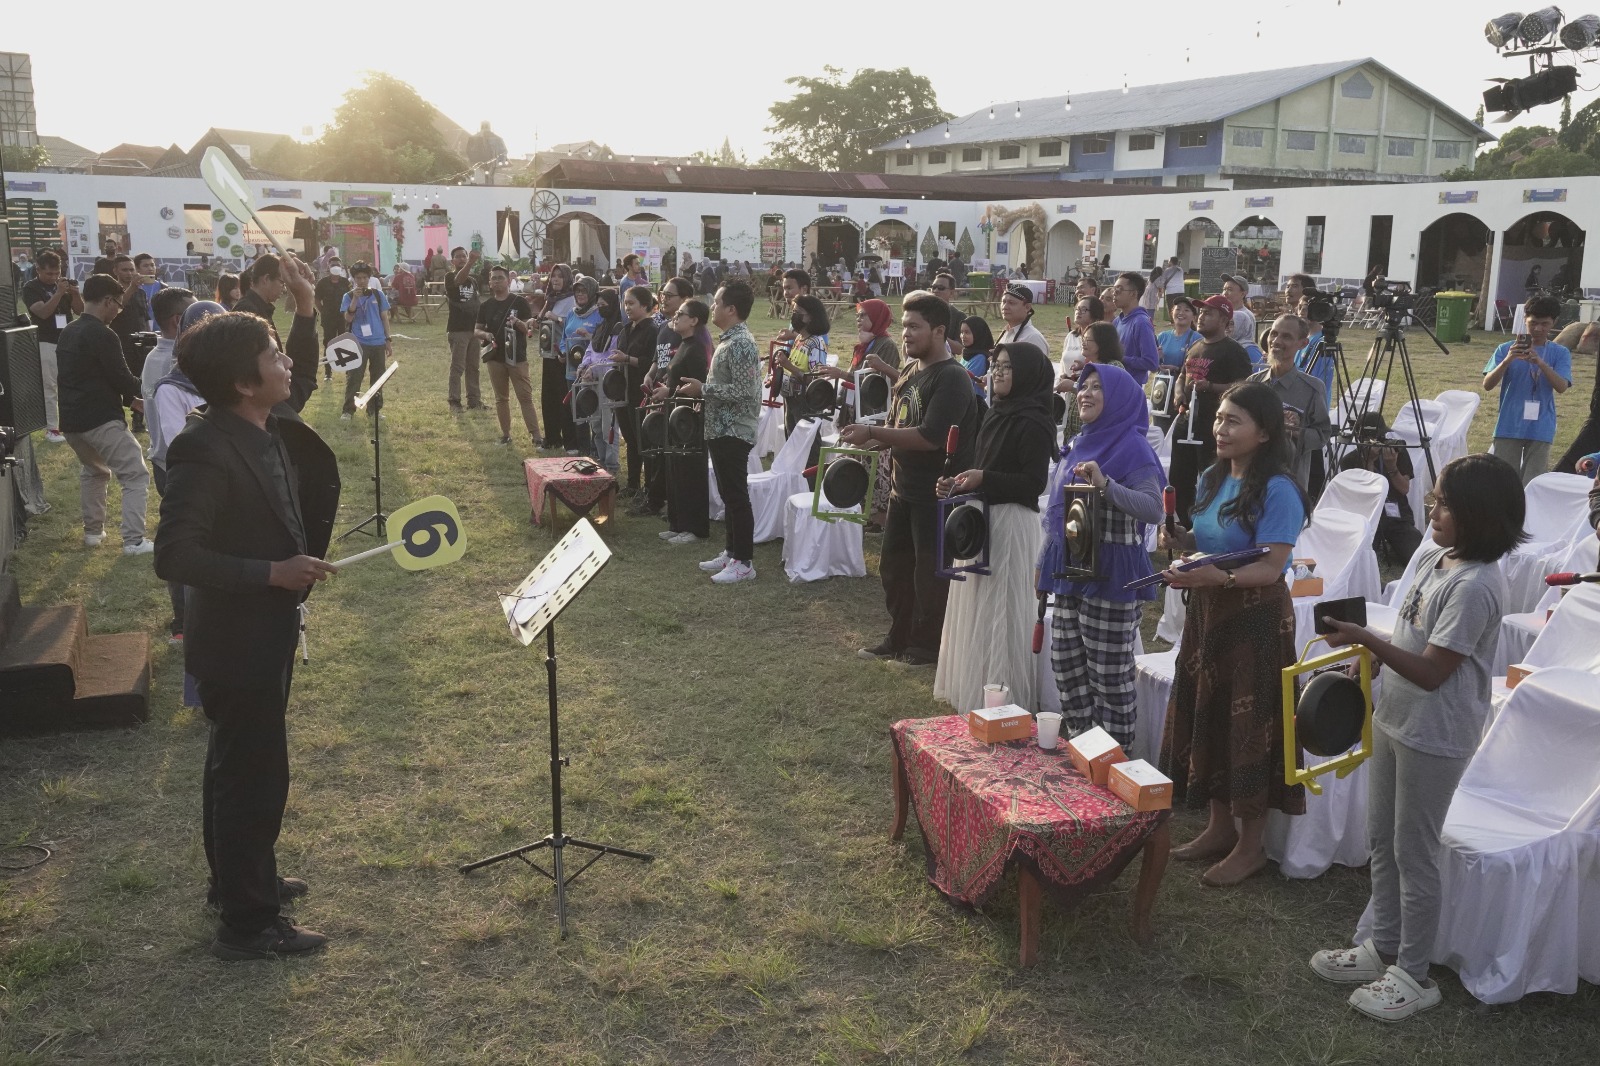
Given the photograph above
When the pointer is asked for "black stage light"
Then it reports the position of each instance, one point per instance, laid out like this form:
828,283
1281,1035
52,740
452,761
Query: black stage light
1502,32
1580,33
1537,25
1515,95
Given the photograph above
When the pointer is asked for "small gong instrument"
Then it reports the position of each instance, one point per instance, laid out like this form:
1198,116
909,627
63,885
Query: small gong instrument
962,532
847,478
1080,541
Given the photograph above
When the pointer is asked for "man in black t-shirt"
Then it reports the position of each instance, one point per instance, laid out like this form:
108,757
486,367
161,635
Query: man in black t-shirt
1213,364
461,296
133,318
329,296
932,395
504,320
51,303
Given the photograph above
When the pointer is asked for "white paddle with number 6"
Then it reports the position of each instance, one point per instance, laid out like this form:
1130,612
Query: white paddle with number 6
430,535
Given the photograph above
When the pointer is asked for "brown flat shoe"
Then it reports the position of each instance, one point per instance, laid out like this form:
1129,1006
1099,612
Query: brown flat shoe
1211,881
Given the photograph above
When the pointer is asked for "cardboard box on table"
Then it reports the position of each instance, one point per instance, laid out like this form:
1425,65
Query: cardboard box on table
1093,752
1140,785
996,725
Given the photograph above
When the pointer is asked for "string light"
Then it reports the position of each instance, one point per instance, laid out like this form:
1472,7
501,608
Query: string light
1019,109
1069,100
991,113
947,131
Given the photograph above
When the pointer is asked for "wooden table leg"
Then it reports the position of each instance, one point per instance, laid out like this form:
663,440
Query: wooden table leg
1030,897
1151,869
608,505
902,796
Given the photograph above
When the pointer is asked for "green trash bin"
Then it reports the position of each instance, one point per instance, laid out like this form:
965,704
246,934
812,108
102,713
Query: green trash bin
1453,311
1191,288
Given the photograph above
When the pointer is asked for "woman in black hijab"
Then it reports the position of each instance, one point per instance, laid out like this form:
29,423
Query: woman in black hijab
988,622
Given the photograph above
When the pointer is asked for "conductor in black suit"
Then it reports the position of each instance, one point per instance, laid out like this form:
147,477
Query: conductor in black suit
248,513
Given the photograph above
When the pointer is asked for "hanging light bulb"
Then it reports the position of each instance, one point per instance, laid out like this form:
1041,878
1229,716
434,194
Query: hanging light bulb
1124,85
991,114
908,144
947,131
1019,110
1069,101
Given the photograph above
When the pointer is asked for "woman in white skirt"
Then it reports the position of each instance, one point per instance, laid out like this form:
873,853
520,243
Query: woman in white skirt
988,622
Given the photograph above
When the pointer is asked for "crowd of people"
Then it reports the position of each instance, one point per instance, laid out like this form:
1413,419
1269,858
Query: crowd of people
248,494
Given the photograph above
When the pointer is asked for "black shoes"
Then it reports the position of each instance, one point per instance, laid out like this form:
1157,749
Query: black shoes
918,657
280,938
882,651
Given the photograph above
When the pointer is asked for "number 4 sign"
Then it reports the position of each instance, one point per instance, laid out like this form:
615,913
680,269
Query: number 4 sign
343,353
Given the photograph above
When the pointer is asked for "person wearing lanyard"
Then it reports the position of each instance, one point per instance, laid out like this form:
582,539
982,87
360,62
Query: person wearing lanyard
366,312
1530,372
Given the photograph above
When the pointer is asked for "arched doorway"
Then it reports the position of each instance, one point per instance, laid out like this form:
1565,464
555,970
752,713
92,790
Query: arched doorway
1063,249
1198,233
1257,245
1541,252
1027,248
828,239
892,239
653,239
575,235
1454,254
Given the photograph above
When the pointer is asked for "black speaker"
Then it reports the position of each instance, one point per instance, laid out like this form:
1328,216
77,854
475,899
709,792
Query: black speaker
21,380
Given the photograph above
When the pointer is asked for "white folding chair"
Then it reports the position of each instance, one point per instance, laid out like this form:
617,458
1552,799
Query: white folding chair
1558,511
1364,394
770,489
769,432
1152,687
1570,640
1405,427
1518,880
1519,631
1461,407
1339,543
1360,492
814,549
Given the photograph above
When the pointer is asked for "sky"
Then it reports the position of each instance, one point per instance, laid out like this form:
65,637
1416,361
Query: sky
683,84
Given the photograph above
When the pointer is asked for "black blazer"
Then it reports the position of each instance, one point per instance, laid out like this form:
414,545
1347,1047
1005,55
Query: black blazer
222,527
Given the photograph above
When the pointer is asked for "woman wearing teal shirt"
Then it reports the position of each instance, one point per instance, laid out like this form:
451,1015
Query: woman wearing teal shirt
1224,737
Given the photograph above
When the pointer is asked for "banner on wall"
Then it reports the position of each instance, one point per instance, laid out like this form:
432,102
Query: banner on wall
435,239
771,242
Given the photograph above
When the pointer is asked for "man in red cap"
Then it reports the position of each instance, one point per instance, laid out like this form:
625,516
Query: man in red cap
1211,366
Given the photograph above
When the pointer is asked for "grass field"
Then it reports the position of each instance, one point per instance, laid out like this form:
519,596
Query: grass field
731,731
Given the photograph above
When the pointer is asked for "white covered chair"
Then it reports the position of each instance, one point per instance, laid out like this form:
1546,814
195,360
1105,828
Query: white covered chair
1461,405
1361,492
1570,640
770,489
769,432
1152,686
1558,511
1339,542
814,549
1520,866
1518,631
1405,427
1364,394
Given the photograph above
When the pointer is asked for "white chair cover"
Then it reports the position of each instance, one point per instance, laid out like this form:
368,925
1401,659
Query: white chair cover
1395,590
1339,543
1152,685
1355,399
1570,639
1405,428
717,510
1520,866
1518,631
814,549
1361,492
769,432
1461,405
770,489
1558,510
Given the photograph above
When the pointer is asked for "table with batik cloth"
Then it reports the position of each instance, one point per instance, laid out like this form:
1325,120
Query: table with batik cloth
549,478
985,808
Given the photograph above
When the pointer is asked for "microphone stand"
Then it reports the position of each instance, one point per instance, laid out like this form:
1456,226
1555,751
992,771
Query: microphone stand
1194,395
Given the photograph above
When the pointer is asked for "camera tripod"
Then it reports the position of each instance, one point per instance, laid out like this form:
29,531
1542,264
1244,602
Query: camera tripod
1389,344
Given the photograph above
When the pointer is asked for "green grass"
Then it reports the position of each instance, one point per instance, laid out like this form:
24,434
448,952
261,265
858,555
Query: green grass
732,732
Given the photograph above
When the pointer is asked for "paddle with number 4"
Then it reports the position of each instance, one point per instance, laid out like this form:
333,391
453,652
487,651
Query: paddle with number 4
430,535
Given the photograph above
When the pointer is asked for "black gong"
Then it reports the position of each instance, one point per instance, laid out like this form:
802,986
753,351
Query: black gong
684,425
586,403
653,427
844,483
821,395
1329,716
966,531
615,385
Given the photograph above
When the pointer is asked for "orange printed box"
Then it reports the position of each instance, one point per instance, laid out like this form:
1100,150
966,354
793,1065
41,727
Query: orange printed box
1515,673
1093,752
1140,785
996,725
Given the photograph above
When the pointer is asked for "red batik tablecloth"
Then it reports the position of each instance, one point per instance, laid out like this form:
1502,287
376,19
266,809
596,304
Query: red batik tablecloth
984,807
578,491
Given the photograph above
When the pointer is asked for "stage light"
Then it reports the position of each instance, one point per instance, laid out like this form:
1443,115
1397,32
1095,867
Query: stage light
1580,33
1502,32
1537,25
1516,95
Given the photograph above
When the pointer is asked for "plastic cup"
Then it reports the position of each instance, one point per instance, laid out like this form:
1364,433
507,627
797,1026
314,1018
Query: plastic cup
996,695
1049,729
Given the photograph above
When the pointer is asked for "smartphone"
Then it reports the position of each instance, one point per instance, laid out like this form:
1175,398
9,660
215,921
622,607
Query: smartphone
1352,610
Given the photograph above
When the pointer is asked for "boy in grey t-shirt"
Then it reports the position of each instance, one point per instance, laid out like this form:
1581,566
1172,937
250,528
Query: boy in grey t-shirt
1427,725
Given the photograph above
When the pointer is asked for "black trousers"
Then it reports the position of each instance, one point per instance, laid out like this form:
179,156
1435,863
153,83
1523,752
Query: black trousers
656,482
1398,539
628,422
914,595
555,417
245,788
1188,461
376,361
1587,442
689,494
174,589
730,457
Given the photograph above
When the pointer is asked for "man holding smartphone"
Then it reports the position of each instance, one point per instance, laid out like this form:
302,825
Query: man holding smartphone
1530,371
366,313
51,302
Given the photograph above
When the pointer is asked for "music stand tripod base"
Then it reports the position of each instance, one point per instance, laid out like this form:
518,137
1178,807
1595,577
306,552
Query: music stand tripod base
378,520
532,609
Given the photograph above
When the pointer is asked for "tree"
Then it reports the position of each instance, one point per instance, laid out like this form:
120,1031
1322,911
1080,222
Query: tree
384,131
1578,133
1477,116
19,160
832,124
722,157
1514,146
1566,113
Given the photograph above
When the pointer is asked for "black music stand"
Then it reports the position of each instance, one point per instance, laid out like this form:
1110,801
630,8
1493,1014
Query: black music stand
533,608
378,520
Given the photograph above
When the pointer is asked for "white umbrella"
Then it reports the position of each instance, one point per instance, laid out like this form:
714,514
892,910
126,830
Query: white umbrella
508,250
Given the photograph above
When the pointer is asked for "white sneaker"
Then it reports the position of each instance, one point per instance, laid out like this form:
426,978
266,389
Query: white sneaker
93,540
666,534
684,538
55,436
143,547
715,566
734,572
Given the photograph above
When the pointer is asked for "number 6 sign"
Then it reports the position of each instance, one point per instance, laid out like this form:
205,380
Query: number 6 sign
430,535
